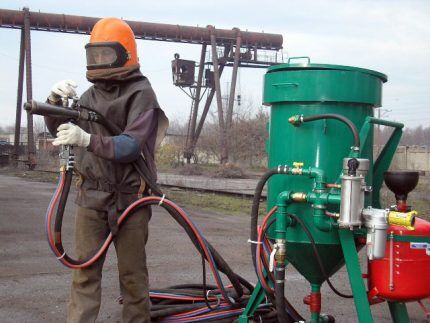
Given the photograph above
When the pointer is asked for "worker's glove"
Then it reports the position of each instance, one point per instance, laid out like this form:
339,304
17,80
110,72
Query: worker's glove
70,134
62,90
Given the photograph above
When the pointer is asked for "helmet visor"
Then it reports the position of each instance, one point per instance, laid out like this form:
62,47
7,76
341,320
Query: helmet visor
105,55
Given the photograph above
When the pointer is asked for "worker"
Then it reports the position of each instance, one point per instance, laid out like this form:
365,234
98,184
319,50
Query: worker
108,182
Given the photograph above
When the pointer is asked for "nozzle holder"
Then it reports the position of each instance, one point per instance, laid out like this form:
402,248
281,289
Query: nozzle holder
401,183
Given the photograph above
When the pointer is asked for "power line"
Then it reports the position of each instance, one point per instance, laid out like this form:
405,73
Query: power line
50,67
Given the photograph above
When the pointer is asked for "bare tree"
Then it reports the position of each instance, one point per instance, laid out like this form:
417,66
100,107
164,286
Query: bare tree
416,136
246,137
249,137
39,126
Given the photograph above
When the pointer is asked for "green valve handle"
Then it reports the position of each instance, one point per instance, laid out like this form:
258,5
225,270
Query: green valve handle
300,57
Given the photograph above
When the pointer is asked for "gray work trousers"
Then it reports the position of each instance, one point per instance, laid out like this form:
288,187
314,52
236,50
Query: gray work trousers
90,231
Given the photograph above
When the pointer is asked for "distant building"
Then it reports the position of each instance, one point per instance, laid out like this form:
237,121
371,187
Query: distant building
42,139
10,137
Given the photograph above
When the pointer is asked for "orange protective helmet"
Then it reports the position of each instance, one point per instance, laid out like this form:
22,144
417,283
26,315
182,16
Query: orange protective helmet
112,44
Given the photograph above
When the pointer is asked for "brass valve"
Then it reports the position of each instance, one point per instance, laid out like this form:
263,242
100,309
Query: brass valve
299,197
297,170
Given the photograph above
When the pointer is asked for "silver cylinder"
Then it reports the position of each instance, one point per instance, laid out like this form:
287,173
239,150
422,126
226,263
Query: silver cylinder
376,223
352,201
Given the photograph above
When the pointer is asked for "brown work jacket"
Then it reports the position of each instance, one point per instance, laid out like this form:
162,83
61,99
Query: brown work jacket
106,184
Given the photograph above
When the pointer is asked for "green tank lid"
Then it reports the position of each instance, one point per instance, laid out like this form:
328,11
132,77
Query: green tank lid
309,82
313,66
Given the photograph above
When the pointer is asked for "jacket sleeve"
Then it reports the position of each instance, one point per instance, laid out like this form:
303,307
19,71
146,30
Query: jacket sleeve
127,146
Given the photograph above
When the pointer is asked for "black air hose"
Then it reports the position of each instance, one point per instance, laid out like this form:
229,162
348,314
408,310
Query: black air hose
280,293
192,286
173,309
222,266
291,311
318,257
143,171
63,199
341,118
256,205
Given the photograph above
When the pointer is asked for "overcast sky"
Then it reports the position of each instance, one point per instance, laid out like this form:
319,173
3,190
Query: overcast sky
392,37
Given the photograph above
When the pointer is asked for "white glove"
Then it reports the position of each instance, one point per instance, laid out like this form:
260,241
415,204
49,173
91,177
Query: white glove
63,89
70,134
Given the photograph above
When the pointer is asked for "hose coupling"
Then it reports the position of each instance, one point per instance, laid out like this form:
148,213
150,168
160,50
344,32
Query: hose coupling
332,214
299,197
278,253
281,250
67,158
406,220
283,169
296,120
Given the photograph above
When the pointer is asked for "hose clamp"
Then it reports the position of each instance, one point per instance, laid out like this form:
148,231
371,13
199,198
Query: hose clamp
254,242
218,298
355,148
162,200
272,257
62,256
319,206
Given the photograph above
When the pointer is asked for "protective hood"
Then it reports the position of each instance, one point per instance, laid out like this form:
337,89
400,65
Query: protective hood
118,74
112,45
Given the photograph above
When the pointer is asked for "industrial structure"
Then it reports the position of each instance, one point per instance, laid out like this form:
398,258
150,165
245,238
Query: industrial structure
323,189
234,48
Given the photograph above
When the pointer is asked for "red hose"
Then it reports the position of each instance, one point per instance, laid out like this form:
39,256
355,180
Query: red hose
122,217
263,281
51,211
51,238
182,298
193,311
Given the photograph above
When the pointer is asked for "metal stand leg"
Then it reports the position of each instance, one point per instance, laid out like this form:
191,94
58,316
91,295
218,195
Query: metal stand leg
355,278
399,312
257,297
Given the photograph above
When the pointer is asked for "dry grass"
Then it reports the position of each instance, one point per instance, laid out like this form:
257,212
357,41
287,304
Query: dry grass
419,199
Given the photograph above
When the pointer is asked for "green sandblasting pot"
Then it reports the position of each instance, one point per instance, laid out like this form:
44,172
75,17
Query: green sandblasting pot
310,89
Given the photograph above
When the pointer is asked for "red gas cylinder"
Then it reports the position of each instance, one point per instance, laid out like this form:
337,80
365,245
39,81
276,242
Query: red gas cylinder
404,272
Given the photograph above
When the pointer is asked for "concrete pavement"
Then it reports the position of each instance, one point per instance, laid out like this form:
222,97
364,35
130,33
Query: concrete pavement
34,286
